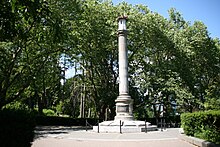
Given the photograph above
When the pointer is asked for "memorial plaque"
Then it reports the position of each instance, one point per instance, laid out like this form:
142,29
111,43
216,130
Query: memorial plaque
123,108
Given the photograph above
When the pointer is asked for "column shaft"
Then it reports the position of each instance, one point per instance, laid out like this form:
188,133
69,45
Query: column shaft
123,64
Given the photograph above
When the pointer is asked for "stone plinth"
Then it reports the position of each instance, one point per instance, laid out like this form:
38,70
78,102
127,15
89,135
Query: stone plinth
126,127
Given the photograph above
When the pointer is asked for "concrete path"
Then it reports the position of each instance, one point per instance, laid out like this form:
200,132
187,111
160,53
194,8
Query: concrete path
72,136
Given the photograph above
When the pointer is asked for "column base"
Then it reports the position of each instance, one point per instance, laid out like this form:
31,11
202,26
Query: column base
124,108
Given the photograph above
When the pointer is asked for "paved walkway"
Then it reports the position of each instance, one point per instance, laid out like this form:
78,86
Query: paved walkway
72,136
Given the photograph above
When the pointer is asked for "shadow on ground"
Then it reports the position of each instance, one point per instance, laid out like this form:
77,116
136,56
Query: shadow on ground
45,131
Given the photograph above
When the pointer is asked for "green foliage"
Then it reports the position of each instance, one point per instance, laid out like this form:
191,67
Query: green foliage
172,59
202,124
49,112
70,106
210,133
17,106
174,62
28,55
59,107
212,104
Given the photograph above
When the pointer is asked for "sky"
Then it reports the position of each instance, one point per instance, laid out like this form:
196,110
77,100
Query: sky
207,11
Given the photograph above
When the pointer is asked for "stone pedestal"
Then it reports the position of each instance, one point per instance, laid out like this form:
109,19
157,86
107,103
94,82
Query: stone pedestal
126,127
124,108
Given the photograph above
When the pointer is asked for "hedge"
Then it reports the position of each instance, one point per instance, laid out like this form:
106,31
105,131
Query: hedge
16,128
203,124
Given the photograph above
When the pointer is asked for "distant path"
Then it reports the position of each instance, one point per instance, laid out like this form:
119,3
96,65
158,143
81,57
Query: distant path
69,137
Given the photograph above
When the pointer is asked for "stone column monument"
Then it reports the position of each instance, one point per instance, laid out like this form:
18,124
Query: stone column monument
124,120
124,103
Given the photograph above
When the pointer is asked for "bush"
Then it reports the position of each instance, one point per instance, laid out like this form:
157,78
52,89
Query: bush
17,106
16,128
204,125
49,112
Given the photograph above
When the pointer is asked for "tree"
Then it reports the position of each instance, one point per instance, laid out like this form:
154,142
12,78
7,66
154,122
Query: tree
172,62
30,41
168,57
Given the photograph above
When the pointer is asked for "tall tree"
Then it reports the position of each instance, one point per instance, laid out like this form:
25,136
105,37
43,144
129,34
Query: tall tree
30,40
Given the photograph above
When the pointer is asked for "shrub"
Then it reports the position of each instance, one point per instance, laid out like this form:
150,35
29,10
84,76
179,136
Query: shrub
49,112
17,128
205,125
16,105
209,133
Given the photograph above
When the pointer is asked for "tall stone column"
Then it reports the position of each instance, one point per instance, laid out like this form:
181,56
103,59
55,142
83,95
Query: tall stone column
124,103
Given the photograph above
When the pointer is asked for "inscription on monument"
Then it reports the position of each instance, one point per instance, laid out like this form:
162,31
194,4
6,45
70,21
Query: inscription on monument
123,108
